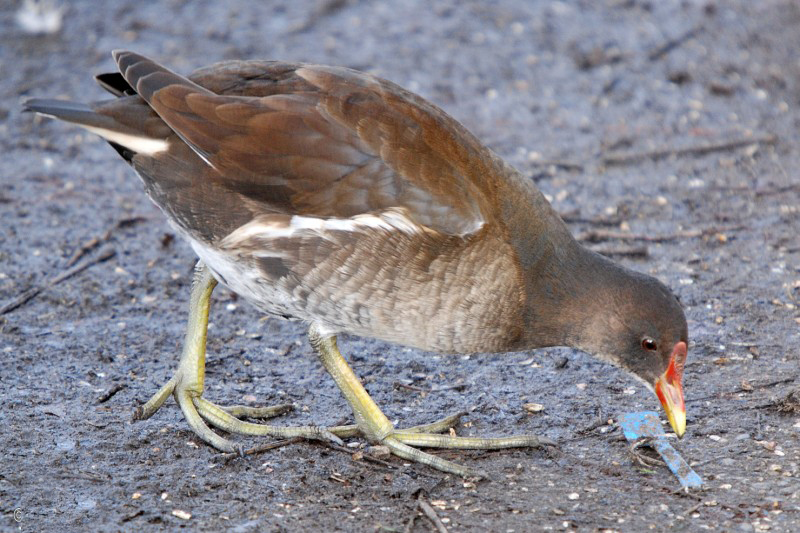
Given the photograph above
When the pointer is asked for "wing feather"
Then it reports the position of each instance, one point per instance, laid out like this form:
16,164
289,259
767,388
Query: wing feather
333,142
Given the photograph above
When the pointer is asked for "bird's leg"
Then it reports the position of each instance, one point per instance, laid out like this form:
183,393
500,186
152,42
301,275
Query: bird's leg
187,385
374,425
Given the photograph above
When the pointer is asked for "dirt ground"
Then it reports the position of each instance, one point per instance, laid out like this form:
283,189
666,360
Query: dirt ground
665,131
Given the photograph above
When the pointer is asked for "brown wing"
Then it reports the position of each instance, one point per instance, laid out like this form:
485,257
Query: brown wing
314,141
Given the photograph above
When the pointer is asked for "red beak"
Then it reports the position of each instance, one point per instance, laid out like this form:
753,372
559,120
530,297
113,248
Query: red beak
669,389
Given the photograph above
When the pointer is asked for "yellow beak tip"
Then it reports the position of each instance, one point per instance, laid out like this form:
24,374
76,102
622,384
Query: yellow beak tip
677,419
671,398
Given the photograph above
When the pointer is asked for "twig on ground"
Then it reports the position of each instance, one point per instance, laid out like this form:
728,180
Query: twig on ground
604,235
20,300
103,398
273,445
660,153
263,447
131,516
766,385
692,509
350,452
640,457
88,476
624,251
457,386
71,267
766,191
94,242
616,471
741,388
409,387
410,524
426,508
104,255
325,8
672,44
703,398
566,165
598,422
87,247
575,217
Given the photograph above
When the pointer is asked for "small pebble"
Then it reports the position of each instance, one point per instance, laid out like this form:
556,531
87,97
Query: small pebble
533,407
379,451
183,515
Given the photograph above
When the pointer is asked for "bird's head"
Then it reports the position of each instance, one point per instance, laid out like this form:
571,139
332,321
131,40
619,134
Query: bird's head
641,327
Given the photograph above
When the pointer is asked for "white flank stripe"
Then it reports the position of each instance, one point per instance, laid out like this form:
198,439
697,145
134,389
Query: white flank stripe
140,145
258,228
389,220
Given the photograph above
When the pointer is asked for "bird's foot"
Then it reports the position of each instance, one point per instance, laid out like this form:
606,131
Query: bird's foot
376,428
405,443
200,413
187,386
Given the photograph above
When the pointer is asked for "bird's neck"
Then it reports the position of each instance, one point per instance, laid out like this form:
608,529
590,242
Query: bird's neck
565,283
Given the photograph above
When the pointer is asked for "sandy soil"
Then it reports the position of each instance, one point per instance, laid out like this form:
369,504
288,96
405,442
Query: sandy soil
666,132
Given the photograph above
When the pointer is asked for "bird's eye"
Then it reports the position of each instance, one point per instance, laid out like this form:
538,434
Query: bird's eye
649,344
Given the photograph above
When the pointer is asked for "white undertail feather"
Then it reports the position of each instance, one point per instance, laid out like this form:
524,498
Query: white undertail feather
140,145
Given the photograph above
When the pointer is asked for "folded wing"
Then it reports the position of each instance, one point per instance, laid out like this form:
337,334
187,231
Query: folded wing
317,142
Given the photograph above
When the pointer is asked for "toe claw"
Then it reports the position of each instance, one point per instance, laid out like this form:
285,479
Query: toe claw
544,441
330,437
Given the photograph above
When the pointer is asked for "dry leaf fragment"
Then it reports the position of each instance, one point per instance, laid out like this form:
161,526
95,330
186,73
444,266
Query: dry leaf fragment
533,407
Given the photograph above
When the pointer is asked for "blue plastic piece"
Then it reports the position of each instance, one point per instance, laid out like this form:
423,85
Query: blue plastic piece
647,424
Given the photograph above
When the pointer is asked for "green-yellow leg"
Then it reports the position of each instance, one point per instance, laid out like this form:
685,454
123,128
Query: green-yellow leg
187,385
374,425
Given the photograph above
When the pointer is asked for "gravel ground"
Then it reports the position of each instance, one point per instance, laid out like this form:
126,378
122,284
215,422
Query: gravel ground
666,132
